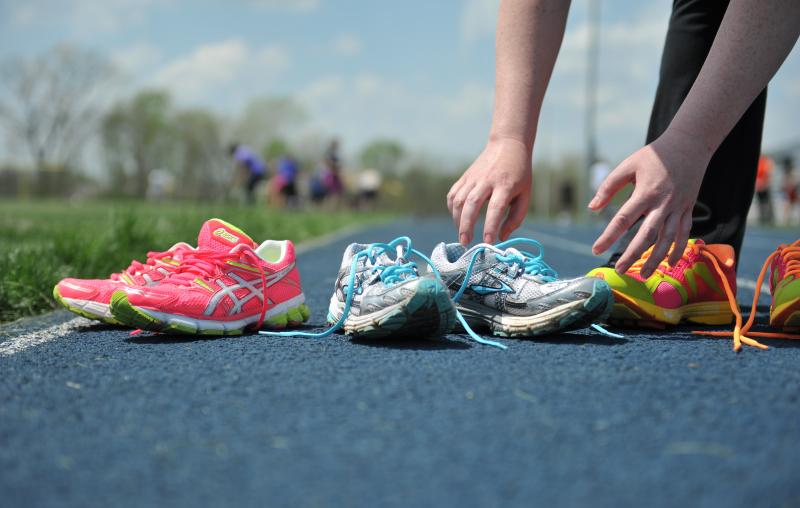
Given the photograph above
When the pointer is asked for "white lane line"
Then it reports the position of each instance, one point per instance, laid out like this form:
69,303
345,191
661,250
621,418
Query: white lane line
30,339
324,240
584,249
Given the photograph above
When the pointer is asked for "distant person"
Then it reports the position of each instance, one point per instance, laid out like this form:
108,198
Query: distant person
251,169
369,184
790,191
566,202
332,153
284,184
160,184
332,181
763,191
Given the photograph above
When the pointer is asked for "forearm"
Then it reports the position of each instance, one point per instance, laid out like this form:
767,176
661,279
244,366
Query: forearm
529,34
753,41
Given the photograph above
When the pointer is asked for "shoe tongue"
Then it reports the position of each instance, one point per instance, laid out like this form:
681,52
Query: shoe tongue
355,248
218,235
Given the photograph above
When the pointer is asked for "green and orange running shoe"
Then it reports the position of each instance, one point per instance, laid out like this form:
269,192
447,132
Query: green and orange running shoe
784,286
700,288
784,312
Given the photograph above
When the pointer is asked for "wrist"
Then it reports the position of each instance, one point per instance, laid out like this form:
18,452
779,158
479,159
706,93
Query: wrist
497,138
688,143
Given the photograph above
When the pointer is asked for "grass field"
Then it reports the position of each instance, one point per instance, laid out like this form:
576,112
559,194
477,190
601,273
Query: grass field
43,242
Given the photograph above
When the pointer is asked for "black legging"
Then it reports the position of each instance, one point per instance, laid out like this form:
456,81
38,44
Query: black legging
728,185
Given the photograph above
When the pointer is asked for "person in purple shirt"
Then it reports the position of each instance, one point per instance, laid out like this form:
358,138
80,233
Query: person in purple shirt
251,166
284,184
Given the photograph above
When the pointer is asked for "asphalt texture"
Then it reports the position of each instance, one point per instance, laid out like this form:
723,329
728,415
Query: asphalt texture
97,417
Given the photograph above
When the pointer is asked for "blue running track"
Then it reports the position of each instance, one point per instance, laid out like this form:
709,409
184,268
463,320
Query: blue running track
90,416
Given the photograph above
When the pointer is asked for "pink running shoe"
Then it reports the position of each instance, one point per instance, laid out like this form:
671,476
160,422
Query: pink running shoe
91,297
224,287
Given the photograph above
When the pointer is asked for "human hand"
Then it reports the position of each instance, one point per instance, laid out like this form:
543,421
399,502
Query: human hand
500,175
666,175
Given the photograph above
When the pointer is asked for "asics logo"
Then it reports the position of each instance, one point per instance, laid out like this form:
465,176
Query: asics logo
487,290
226,235
254,286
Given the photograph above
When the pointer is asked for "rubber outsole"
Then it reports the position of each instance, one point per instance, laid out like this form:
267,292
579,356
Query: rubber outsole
628,311
133,316
786,316
83,312
571,316
429,312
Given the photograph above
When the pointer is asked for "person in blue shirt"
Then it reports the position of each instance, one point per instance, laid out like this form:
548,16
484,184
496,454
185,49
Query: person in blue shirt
284,184
251,166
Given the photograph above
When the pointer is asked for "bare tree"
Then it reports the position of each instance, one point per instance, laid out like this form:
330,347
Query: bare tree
267,118
50,104
139,136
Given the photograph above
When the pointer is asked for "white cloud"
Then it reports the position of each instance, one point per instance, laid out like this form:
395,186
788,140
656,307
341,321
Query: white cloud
347,45
473,101
134,59
82,16
202,74
294,5
478,19
322,89
367,106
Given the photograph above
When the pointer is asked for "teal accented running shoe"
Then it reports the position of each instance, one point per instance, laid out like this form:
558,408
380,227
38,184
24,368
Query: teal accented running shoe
515,293
379,293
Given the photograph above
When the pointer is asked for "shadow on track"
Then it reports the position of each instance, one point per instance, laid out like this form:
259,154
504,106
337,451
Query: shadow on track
577,339
413,344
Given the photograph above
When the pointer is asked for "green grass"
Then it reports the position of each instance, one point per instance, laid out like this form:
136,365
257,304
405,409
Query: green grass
43,242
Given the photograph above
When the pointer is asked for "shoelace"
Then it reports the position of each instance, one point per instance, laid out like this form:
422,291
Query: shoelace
389,274
792,254
137,266
205,263
519,262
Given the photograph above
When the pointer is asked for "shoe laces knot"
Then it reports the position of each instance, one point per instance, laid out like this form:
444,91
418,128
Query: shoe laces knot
530,264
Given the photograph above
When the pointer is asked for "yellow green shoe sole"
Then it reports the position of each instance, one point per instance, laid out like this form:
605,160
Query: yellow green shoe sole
153,321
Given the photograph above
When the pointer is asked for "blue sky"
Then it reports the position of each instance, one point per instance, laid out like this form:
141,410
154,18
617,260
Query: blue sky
418,71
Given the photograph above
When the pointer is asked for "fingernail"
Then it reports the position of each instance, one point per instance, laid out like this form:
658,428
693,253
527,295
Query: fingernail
463,239
593,203
487,239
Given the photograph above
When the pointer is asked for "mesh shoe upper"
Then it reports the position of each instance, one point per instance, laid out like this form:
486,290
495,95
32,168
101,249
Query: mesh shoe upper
500,281
371,293
784,281
693,278
222,280
158,266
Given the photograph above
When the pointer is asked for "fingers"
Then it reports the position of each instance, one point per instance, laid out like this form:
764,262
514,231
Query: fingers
665,239
516,214
469,214
459,200
451,194
647,236
681,238
625,218
614,182
495,213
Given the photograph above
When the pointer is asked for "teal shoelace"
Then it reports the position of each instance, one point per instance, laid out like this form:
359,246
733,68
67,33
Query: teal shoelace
389,274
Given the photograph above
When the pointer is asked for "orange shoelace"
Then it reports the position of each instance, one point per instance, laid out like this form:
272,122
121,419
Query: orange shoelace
792,255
